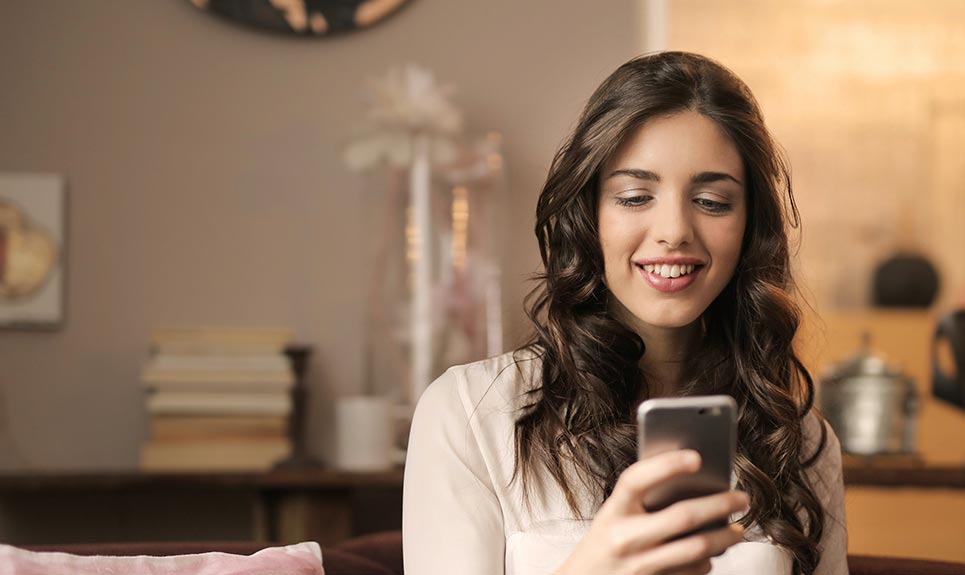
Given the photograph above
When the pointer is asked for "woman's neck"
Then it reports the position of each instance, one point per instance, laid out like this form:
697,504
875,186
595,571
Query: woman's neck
663,363
667,348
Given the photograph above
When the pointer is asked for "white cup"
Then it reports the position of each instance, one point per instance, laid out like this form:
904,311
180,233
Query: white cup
363,433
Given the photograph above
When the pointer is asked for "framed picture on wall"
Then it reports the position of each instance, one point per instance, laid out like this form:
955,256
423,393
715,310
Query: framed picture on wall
304,17
32,251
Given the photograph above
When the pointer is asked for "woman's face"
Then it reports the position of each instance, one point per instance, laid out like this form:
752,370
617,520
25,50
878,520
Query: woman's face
671,218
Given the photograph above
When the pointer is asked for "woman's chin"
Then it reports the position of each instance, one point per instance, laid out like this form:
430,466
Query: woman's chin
666,321
674,323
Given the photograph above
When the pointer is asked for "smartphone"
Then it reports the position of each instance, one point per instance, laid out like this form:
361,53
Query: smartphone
706,424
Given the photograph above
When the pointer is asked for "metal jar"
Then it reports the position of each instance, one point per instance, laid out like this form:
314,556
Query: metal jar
872,407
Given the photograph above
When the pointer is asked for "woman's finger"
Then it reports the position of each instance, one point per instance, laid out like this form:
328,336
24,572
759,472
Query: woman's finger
640,532
643,475
675,554
690,514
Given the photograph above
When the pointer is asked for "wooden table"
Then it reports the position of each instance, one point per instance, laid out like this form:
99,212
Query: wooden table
285,506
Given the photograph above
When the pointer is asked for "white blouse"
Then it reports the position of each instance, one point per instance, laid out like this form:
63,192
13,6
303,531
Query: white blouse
461,515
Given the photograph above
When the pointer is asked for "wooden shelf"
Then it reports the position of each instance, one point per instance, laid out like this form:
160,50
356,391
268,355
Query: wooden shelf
306,479
901,471
288,505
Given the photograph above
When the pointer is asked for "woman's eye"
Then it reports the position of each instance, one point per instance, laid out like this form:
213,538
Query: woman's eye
633,201
712,206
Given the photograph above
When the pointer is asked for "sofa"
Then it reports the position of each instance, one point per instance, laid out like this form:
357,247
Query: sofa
381,554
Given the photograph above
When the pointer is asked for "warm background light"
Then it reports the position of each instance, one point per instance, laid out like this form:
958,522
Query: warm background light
868,99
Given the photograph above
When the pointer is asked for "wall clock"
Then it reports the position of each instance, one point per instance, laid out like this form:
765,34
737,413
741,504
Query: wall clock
303,17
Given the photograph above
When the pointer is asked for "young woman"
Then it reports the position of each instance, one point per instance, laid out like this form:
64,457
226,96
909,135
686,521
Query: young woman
662,230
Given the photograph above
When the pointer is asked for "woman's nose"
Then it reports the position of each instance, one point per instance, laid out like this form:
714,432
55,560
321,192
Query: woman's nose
673,226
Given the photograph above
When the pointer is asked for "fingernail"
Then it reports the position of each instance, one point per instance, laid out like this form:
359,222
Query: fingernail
691,457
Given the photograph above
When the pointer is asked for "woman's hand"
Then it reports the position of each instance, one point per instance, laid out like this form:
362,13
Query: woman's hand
624,539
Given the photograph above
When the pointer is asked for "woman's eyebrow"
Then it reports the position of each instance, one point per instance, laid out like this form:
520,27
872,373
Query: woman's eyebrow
708,177
700,178
638,174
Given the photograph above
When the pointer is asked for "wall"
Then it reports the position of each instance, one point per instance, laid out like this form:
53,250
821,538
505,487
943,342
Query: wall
868,99
205,182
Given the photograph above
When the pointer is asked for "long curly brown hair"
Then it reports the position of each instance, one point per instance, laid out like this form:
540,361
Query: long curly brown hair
580,412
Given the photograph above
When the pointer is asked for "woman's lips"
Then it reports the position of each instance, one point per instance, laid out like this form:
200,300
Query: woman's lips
660,283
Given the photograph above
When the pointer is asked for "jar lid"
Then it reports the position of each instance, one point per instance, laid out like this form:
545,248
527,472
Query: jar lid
864,363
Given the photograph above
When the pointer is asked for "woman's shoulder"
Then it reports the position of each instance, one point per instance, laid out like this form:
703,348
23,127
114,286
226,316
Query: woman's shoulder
822,454
820,440
497,383
827,481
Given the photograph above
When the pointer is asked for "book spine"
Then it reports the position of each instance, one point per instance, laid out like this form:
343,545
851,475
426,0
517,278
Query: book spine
153,375
212,455
188,428
202,348
212,403
242,387
254,362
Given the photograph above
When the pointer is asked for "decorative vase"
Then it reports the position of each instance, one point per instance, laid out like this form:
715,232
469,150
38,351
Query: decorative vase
435,297
435,197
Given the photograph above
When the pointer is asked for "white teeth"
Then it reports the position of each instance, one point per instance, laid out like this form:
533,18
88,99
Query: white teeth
669,271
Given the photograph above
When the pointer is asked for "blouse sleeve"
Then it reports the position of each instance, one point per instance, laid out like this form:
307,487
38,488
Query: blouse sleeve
451,519
827,481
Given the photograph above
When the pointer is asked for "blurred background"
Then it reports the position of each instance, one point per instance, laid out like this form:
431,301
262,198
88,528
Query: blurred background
206,184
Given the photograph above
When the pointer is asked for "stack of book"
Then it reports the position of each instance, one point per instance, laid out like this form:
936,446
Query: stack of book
219,399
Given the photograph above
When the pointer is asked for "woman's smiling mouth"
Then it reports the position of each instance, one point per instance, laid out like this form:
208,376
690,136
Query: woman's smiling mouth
669,275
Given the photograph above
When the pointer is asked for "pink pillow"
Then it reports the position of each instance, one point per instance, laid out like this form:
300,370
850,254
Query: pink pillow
301,559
